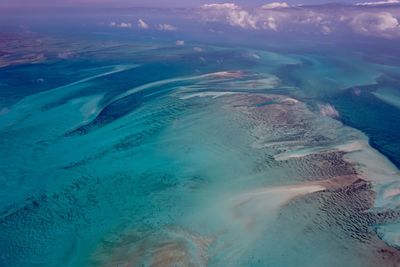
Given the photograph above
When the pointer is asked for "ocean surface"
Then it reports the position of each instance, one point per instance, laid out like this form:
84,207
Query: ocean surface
147,153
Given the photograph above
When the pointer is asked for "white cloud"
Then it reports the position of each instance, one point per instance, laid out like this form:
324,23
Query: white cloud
378,3
271,23
142,24
121,25
221,6
232,13
275,5
167,27
125,25
180,42
382,24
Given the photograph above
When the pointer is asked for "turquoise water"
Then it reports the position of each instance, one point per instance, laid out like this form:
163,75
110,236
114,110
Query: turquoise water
166,156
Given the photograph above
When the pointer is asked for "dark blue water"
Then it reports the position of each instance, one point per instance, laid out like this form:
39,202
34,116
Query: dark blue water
360,109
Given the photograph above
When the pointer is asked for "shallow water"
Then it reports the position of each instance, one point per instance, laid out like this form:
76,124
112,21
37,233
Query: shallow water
169,161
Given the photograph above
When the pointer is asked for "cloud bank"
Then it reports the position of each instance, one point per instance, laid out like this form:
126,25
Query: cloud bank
275,5
387,2
121,25
167,27
367,19
143,25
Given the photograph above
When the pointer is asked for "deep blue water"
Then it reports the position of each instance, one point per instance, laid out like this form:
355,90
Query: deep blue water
377,119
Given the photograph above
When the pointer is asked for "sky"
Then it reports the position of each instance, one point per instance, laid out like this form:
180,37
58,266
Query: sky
378,19
149,3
